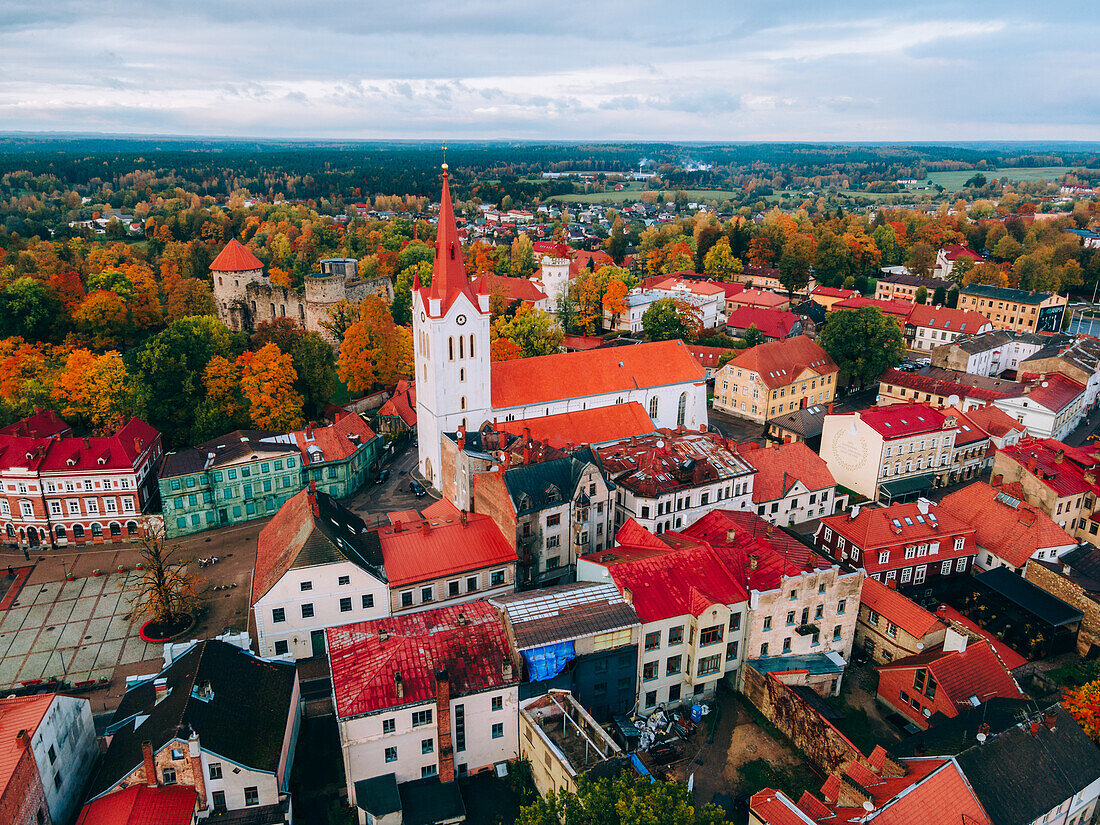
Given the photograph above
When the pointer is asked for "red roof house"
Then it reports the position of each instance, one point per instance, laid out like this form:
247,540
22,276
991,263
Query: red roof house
790,471
43,424
773,324
399,412
594,426
143,805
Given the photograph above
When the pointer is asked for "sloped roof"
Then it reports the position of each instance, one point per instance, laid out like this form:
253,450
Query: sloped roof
594,426
402,404
834,292
235,257
708,356
896,608
249,694
563,612
780,467
1011,528
1055,392
994,421
874,527
779,363
514,289
141,805
903,420
773,323
546,483
467,641
231,447
42,424
298,537
99,453
16,714
897,307
976,671
433,548
954,251
676,583
946,318
1065,475
760,298
1003,293
943,382
593,372
671,460
335,442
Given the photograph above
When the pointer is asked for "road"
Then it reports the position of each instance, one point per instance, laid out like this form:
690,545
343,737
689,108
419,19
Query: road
375,500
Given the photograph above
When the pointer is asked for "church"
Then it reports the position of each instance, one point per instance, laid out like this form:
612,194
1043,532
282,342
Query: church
458,385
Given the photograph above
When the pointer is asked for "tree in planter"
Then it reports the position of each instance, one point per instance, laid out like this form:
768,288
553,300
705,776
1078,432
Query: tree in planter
164,591
625,800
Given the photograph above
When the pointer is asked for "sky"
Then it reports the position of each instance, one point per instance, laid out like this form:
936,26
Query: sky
738,70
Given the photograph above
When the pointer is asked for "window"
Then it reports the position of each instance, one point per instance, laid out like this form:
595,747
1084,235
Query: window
735,621
343,580
460,727
945,568
282,647
790,618
215,769
498,730
553,520
278,614
427,746
673,665
306,586
496,577
368,601
345,605
52,754
651,698
653,407
307,611
427,594
891,630
553,542
836,633
710,664
710,635
429,770
786,644
675,636
421,717
407,598
471,584
498,703
649,671
218,798
764,649
389,725
391,754
767,622
840,605
453,588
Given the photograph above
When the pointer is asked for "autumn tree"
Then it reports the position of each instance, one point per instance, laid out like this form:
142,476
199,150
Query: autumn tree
96,389
163,589
720,263
662,321
522,258
533,331
189,296
374,349
1083,704
103,320
313,357
627,799
864,342
504,349
267,382
922,259
986,273
614,300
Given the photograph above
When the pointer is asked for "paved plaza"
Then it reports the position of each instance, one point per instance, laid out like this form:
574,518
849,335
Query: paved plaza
74,631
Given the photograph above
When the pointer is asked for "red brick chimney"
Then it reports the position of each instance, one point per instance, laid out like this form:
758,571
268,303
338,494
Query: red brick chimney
461,437
462,517
195,752
830,408
151,778
443,726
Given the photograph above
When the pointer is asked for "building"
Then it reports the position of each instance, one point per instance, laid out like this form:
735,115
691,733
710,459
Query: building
1050,407
903,286
897,309
826,296
47,752
668,480
890,453
756,299
562,741
458,386
1008,530
66,491
952,253
792,484
943,388
526,291
317,566
1058,479
549,513
428,696
246,297
891,626
398,414
1015,309
580,637
1003,431
930,326
708,298
803,425
337,458
708,357
991,354
141,804
908,544
1074,578
957,674
1076,358
183,727
772,324
446,557
772,379
761,277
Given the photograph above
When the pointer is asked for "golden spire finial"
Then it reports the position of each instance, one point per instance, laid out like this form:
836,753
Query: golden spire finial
445,167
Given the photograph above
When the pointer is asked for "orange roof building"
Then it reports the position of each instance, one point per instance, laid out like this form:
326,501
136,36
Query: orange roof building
792,484
143,805
778,377
892,626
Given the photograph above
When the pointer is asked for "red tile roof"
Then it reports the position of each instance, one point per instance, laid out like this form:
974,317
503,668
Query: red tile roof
1066,477
994,421
1010,657
943,797
468,641
140,805
336,442
594,426
280,541
514,289
595,372
577,342
896,307
904,420
690,284
235,257
833,292
954,251
779,363
946,318
402,404
773,323
120,451
896,608
780,467
434,548
708,356
1011,528
776,808
761,298
659,463
678,582
16,714
976,671
42,424
946,384
582,258
1055,392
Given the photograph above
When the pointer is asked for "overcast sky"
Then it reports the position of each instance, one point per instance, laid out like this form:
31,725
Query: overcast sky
727,70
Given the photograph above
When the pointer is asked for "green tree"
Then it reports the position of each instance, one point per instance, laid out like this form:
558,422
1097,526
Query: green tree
29,309
753,336
662,321
795,263
922,259
402,290
624,800
533,331
1007,249
922,295
720,263
864,342
939,297
616,244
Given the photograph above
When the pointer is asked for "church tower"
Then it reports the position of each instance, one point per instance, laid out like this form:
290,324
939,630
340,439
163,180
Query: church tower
450,346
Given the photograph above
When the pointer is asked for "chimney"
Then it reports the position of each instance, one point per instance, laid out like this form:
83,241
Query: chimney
138,444
151,779
506,669
1059,456
309,432
1050,719
195,752
161,688
427,527
461,437
953,640
786,440
397,526
22,739
1031,462
941,612
754,561
443,726
462,517
1034,728
628,595
383,634
731,536
399,685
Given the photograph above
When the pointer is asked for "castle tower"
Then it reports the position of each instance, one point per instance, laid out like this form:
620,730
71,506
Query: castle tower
555,279
233,270
450,345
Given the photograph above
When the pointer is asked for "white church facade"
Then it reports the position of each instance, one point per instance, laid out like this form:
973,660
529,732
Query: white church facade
457,384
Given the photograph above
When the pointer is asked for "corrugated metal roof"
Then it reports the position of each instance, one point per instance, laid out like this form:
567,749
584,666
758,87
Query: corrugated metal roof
564,612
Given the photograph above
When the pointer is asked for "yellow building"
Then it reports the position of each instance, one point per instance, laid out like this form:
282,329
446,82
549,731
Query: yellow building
775,378
1015,309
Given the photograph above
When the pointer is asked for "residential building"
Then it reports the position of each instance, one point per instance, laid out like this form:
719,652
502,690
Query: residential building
141,804
897,309
562,742
458,386
708,298
446,557
1050,407
580,637
317,566
549,513
952,253
902,286
761,277
775,378
1008,530
957,674
708,357
398,414
338,458
425,696
826,296
668,480
1076,358
1074,578
1015,309
772,324
942,388
890,453
803,424
526,291
47,752
1002,430
756,299
41,424
930,326
891,626
792,483
184,727
908,543
1058,479
991,354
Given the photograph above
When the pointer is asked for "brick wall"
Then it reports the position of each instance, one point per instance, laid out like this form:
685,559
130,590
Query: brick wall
1067,591
24,797
491,498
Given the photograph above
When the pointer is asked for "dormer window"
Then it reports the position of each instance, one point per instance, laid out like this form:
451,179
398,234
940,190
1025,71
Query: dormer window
553,493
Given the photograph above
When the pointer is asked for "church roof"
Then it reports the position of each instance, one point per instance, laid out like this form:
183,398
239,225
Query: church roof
449,279
235,257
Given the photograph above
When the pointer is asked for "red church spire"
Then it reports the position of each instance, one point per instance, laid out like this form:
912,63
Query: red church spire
448,270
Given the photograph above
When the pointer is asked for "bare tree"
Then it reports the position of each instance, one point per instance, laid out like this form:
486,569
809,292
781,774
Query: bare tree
164,591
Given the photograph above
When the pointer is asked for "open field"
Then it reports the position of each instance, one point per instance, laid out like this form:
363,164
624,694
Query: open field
636,194
955,180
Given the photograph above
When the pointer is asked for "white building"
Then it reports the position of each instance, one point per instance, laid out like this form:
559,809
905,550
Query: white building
792,484
316,567
930,326
1050,409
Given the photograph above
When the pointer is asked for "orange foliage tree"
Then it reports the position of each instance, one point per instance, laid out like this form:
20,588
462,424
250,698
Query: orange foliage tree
103,319
503,349
267,381
189,296
614,299
1083,704
374,350
96,389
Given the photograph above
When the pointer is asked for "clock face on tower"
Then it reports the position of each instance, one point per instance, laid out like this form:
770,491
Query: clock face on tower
461,319
850,449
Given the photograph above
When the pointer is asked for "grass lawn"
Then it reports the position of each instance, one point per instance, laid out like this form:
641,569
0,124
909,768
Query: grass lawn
636,194
955,180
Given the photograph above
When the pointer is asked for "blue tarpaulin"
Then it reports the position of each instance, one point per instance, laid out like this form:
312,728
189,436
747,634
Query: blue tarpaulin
548,661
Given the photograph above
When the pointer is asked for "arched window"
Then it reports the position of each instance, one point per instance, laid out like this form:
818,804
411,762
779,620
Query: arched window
653,408
463,403
471,346
462,374
97,531
681,411
78,531
131,528
272,310
61,534
116,528
11,532
450,349
461,347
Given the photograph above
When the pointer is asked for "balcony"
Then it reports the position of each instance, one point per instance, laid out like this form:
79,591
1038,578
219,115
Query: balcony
807,630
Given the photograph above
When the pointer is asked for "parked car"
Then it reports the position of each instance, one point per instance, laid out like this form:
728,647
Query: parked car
417,488
383,476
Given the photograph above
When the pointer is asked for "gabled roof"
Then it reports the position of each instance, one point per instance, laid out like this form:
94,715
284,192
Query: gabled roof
96,453
336,442
563,612
946,318
16,714
780,467
994,421
43,424
760,298
577,375
896,608
235,257
1057,465
904,420
896,307
834,292
773,323
1004,524
977,671
225,449
909,522
547,483
937,381
1055,392
445,545
708,356
402,404
249,694
300,536
142,805
467,641
954,251
513,289
670,460
779,363
594,426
